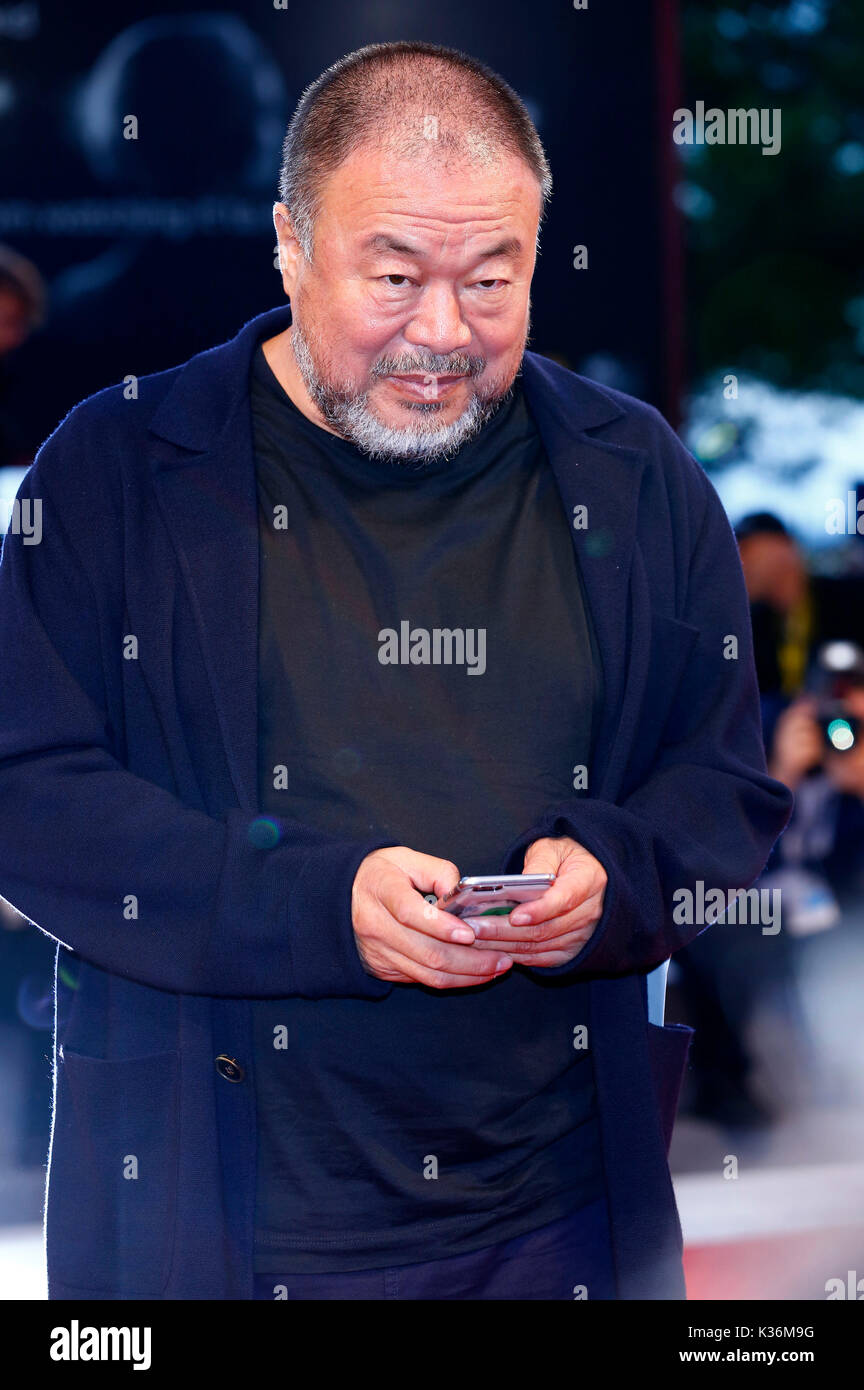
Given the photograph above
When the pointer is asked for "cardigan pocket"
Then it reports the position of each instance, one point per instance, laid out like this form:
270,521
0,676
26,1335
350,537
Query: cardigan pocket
112,1176
668,1046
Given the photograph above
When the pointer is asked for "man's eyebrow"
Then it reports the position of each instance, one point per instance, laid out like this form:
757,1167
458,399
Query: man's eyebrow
510,247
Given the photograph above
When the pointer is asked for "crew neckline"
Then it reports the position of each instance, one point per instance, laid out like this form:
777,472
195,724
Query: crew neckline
392,470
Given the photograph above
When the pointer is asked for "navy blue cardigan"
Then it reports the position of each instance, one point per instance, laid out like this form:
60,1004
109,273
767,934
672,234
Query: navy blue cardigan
130,831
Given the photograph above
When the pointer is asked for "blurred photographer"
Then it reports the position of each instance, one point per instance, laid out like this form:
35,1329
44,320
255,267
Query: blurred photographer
729,979
818,752
793,612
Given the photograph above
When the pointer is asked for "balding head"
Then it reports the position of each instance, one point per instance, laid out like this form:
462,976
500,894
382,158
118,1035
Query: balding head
412,101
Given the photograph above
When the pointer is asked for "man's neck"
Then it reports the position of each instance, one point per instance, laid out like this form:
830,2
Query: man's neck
282,363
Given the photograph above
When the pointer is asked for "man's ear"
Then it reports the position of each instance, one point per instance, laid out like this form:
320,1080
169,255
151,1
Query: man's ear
289,249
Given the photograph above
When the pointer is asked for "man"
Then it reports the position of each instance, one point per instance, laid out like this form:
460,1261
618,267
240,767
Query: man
364,599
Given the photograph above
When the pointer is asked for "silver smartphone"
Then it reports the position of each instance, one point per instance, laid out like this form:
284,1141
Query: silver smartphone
482,896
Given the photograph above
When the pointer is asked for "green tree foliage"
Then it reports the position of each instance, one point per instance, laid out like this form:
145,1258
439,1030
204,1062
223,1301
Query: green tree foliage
775,271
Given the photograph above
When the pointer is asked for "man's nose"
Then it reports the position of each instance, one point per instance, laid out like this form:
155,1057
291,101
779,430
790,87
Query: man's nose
437,322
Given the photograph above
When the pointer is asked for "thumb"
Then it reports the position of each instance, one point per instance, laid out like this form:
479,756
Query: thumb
431,874
543,857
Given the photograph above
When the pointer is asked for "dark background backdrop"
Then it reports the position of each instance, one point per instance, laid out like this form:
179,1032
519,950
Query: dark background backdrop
158,247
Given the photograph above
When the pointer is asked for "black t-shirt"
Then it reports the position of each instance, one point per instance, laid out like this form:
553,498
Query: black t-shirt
428,1123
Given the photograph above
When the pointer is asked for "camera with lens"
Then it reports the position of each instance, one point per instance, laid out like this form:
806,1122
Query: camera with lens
839,668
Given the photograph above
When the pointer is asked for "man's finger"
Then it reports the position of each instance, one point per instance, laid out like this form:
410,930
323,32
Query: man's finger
440,958
431,875
424,934
528,950
435,978
569,892
500,933
407,906
543,857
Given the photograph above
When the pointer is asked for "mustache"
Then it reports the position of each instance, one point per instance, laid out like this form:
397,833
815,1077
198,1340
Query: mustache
460,364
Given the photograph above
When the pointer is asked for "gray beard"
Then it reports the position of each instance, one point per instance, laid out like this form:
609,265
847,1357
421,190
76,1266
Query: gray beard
347,411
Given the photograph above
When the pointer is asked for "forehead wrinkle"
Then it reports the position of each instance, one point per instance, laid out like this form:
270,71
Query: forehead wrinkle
499,240
507,247
384,201
374,190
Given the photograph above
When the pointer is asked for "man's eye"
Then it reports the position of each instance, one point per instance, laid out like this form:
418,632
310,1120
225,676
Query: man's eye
490,284
396,276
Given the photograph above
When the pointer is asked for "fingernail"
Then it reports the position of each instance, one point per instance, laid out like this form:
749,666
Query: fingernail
463,934
520,919
504,963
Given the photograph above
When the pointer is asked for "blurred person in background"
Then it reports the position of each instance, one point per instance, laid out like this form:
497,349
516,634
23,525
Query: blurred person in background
808,643
22,310
807,675
818,752
793,611
818,866
25,957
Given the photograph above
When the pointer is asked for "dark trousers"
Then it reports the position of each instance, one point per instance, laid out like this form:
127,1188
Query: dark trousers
569,1258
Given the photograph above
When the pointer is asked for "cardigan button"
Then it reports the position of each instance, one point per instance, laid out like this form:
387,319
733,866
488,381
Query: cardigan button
229,1068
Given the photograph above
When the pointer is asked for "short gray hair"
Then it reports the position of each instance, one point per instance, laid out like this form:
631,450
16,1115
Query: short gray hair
393,93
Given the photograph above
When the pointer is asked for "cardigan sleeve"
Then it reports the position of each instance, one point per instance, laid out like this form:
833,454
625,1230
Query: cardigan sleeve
707,810
112,866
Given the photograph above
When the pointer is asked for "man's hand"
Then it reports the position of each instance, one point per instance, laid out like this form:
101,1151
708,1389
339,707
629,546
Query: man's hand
798,744
401,937
556,925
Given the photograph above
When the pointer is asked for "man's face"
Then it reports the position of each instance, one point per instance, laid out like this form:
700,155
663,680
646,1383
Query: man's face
409,326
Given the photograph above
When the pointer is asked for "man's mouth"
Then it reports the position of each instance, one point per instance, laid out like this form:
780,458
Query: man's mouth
425,385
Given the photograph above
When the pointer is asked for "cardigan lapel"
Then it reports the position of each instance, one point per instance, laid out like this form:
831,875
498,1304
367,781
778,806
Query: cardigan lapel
204,479
605,479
